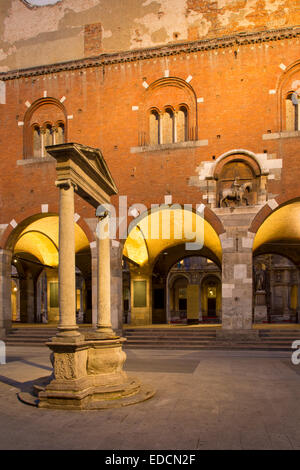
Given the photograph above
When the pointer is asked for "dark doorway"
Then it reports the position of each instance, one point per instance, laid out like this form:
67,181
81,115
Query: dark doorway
211,306
182,304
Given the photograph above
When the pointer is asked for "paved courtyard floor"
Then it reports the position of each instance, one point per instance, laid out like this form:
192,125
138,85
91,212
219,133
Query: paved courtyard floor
204,400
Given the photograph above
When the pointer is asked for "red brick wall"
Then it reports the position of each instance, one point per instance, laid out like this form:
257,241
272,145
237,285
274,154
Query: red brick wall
237,106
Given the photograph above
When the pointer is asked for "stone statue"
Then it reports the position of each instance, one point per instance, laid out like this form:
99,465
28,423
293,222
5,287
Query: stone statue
237,193
260,279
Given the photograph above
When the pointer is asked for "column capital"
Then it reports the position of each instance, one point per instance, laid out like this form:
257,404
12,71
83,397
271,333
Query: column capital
65,184
102,212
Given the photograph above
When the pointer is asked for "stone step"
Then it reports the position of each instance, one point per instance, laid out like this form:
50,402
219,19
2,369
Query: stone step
158,335
164,338
29,331
171,330
277,338
279,335
250,347
36,334
200,341
27,338
163,333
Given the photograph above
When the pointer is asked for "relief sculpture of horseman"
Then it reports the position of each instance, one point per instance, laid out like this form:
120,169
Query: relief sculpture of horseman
237,194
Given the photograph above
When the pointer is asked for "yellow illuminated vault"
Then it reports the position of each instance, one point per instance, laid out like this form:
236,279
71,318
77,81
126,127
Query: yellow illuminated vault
40,238
166,228
281,225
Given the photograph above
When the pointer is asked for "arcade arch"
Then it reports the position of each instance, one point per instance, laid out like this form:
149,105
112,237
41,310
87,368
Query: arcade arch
276,251
157,241
34,289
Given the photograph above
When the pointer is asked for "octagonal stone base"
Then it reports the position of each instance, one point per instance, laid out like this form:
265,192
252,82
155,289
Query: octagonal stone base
87,375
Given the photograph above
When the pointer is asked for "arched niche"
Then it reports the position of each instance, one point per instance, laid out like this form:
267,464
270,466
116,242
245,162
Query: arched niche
237,180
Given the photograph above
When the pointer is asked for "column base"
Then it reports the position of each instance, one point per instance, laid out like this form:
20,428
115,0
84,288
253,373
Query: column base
87,376
103,333
65,334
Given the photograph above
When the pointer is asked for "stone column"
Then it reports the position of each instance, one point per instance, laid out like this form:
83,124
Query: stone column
67,287
5,292
104,326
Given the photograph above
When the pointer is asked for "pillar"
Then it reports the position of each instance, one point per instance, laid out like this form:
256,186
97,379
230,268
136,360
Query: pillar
237,282
116,285
92,286
67,284
5,292
104,326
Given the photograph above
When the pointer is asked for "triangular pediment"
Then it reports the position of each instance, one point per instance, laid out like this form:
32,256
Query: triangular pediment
95,160
89,160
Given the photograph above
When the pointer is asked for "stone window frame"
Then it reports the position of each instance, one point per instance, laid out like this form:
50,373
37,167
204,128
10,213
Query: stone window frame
160,131
190,106
295,118
42,130
284,90
28,149
170,110
155,112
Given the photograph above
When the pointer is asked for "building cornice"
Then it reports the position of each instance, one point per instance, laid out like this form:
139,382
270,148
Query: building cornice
239,39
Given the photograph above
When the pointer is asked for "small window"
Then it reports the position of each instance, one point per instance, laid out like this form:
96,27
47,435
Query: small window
44,125
48,138
182,124
48,135
168,127
292,112
60,134
154,128
36,142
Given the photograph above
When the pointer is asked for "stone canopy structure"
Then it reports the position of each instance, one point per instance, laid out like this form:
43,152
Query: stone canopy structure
87,367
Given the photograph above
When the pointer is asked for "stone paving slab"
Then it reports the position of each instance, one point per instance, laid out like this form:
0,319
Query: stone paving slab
204,400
